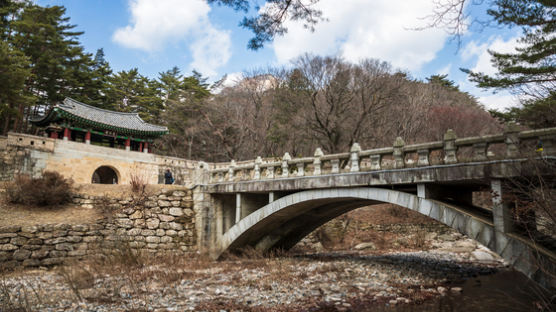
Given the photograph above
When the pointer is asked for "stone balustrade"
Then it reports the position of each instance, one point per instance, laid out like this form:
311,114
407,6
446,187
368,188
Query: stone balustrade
451,150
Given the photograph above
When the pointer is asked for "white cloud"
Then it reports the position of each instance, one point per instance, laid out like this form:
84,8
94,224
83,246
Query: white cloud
499,102
445,70
483,63
211,51
154,23
358,29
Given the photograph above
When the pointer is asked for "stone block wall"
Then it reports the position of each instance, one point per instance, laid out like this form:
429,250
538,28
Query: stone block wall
162,222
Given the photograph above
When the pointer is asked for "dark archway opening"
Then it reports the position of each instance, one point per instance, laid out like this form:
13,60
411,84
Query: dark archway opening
105,175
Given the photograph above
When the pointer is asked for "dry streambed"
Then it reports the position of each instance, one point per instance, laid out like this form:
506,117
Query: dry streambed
339,281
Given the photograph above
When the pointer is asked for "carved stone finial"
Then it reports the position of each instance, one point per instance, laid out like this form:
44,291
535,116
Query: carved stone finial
287,156
318,152
450,135
399,142
355,148
259,160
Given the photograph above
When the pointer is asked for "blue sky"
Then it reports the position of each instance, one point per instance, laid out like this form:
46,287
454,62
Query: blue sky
155,35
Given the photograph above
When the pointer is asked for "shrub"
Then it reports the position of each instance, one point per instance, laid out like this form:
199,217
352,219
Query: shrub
49,190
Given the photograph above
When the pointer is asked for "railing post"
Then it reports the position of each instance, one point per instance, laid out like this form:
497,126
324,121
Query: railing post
300,169
258,162
512,139
316,161
450,151
220,177
231,170
354,157
375,161
480,151
335,166
398,153
423,157
285,169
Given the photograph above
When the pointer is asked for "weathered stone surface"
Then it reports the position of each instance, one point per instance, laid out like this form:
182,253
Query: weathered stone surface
64,246
148,233
176,226
21,254
74,239
166,239
30,229
35,241
134,232
138,214
160,232
39,254
176,212
150,204
4,256
80,228
31,263
152,239
58,253
165,218
52,261
54,241
178,193
7,247
188,212
164,203
164,225
171,233
77,253
9,229
175,203
89,239
152,223
61,227
125,223
7,235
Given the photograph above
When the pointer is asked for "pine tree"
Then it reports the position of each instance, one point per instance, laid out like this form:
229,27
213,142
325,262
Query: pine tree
531,69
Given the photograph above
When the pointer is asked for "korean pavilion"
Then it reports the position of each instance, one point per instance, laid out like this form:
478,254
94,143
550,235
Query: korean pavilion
75,121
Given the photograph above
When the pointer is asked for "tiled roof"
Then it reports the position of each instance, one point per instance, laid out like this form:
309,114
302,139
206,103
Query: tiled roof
105,118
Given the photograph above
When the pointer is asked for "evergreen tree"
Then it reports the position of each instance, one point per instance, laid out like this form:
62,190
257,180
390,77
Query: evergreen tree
60,68
129,91
531,69
14,71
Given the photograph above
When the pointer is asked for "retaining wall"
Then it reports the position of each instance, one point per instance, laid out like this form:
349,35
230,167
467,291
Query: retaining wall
162,222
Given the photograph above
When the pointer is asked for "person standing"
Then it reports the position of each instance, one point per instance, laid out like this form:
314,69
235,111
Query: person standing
168,178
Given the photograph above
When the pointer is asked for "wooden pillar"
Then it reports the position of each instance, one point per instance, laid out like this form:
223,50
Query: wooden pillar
88,137
54,135
127,144
67,133
146,147
140,146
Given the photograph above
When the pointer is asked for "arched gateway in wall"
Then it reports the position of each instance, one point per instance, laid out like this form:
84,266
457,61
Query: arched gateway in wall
105,175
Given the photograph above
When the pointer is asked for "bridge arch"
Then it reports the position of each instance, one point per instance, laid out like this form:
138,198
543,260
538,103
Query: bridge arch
284,222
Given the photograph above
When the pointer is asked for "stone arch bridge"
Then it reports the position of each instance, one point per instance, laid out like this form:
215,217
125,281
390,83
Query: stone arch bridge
274,203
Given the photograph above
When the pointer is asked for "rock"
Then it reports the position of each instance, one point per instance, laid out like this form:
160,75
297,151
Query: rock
9,229
367,245
152,223
176,212
8,247
456,289
178,193
164,203
21,254
165,218
482,255
138,214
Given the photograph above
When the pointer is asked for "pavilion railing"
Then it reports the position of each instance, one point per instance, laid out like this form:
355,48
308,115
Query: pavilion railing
511,144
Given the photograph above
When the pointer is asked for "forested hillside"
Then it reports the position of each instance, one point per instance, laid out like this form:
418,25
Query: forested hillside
316,102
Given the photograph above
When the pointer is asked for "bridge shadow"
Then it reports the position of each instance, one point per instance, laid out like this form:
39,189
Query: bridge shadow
428,265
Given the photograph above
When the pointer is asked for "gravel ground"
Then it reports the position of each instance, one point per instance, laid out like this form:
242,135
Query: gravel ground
338,281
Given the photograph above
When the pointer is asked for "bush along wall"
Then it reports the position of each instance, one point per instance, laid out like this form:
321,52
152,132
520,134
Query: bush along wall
162,222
